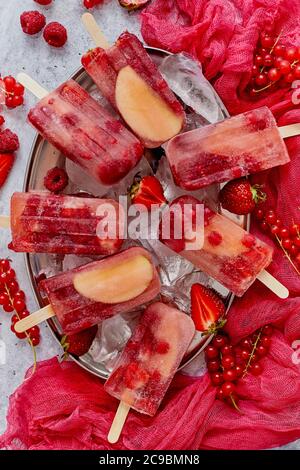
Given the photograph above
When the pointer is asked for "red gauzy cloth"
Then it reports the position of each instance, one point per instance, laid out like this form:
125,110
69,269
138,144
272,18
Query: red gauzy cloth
64,407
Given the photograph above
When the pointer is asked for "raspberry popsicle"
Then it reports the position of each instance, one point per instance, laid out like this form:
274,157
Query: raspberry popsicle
150,359
78,126
87,295
132,83
230,255
46,223
241,145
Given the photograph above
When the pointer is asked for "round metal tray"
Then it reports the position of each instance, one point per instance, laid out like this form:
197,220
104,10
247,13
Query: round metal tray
37,167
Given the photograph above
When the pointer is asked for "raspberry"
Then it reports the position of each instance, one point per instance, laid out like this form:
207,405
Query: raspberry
43,2
55,34
56,180
9,141
32,22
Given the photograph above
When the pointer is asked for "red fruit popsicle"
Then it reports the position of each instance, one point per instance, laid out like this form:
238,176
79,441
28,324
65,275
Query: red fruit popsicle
46,223
78,126
132,83
239,146
151,358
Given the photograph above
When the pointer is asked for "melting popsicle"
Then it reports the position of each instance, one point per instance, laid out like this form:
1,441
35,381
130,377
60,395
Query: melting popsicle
150,360
87,295
46,223
244,144
132,83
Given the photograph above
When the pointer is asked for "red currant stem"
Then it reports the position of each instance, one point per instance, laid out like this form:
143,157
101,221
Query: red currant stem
252,353
266,87
276,42
28,339
287,255
234,403
6,92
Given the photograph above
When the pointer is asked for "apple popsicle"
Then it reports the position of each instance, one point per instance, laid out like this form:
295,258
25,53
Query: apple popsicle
151,358
47,223
132,83
77,125
244,144
87,295
229,254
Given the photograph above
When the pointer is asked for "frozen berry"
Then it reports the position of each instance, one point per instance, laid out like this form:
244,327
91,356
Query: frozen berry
56,180
32,22
55,34
9,141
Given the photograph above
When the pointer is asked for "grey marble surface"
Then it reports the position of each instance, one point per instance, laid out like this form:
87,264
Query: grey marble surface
19,52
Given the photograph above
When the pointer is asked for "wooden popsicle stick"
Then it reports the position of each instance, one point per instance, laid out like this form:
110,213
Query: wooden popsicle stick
31,85
4,221
34,319
290,130
94,31
118,422
273,284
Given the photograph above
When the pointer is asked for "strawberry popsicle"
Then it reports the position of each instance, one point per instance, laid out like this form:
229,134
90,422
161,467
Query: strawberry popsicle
230,255
91,293
77,125
132,83
241,145
151,358
46,223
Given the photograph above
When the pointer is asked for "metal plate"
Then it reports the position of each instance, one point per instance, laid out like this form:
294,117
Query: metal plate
42,158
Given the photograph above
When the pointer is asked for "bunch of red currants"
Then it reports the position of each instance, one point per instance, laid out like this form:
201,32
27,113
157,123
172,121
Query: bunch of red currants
227,364
13,92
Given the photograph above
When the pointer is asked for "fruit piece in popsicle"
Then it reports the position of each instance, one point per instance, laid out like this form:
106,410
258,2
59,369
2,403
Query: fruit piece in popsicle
129,79
151,358
125,281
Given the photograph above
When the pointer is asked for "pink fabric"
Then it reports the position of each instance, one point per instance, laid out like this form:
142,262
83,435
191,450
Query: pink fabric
63,407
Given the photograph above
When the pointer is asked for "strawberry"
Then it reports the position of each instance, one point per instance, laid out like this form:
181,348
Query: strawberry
6,163
239,197
207,308
147,191
79,343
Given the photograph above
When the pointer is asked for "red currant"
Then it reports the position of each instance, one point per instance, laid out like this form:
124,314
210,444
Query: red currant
255,70
266,341
294,229
7,307
284,233
264,226
259,60
289,78
228,388
291,54
245,354
284,66
217,378
20,295
9,102
20,335
287,243
267,330
267,41
10,274
297,241
220,394
213,366
228,362
2,120
268,60
259,214
261,80
4,264
279,50
227,350
19,89
230,375
270,217
34,331
9,83
261,350
24,314
211,352
219,341
4,298
13,287
19,305
274,74
297,72
239,370
35,340
17,101
246,344
255,369
275,230
294,250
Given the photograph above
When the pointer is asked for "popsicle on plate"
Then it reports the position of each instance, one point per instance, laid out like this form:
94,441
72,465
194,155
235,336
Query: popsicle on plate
241,145
230,255
78,126
132,83
151,358
46,223
91,293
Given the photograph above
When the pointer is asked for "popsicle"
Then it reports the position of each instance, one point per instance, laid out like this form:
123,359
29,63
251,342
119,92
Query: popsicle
238,146
150,360
132,83
232,256
77,125
85,296
47,223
